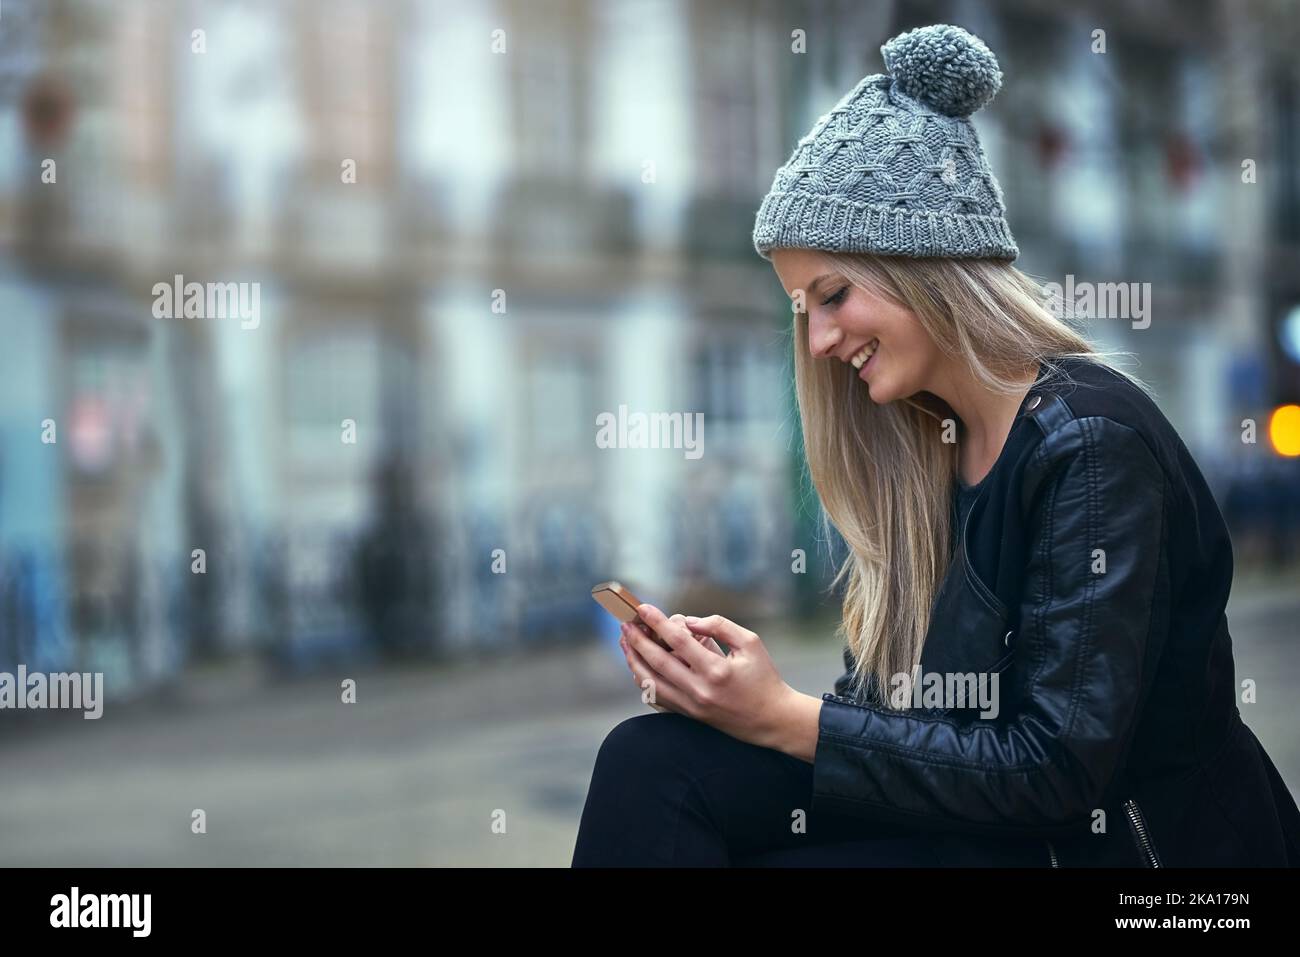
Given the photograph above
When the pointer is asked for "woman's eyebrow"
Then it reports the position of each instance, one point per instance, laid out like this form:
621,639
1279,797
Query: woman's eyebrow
812,286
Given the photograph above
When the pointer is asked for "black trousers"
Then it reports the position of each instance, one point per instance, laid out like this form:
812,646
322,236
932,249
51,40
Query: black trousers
670,791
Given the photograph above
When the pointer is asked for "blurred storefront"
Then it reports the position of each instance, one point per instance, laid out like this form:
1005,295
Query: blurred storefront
538,227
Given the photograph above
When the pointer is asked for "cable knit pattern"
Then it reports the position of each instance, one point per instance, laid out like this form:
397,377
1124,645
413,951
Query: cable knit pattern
896,167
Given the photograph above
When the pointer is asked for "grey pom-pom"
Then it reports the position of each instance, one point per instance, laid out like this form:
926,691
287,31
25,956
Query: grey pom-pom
944,67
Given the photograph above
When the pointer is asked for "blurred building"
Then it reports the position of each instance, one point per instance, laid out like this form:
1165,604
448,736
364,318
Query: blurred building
476,226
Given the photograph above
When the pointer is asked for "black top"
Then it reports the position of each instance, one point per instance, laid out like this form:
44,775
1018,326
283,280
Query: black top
963,496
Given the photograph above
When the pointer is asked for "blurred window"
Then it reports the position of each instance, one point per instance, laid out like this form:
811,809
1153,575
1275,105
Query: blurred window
1285,103
333,374
1147,123
1030,128
108,398
544,96
726,92
348,62
559,396
737,380
1090,196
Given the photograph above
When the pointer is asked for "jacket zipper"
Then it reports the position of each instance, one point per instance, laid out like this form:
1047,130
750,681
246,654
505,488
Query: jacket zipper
965,524
1145,847
968,568
1052,853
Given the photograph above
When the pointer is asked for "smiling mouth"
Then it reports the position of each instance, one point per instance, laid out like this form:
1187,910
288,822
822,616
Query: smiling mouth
866,353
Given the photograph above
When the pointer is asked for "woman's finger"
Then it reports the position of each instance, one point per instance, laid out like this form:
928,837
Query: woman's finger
642,672
667,664
714,646
722,628
676,635
708,642
649,633
704,640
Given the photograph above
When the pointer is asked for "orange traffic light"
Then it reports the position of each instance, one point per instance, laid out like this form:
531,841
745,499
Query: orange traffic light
1284,430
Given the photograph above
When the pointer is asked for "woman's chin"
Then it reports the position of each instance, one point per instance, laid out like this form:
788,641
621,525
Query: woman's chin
879,394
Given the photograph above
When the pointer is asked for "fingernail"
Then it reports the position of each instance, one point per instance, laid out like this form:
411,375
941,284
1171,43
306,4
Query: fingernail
692,618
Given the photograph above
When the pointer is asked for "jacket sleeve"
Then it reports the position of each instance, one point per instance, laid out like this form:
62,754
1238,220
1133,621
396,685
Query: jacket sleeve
1043,765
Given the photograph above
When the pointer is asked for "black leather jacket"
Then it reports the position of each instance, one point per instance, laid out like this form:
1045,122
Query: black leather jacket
1118,740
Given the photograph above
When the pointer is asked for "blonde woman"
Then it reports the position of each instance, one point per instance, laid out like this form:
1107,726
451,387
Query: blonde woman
1033,612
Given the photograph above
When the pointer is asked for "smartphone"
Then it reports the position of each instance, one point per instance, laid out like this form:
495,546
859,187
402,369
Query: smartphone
621,603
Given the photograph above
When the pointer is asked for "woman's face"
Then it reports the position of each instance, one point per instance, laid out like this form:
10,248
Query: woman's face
846,323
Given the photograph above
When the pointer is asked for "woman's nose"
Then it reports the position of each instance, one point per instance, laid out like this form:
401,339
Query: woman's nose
823,336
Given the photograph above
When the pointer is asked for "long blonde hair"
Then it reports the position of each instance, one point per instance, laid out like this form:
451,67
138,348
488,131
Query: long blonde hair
883,473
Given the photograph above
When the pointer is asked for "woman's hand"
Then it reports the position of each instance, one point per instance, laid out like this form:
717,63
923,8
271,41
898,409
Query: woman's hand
645,680
740,693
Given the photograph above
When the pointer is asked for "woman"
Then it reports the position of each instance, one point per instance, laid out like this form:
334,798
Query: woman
1038,665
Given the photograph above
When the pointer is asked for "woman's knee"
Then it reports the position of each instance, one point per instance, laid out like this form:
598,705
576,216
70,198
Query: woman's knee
650,740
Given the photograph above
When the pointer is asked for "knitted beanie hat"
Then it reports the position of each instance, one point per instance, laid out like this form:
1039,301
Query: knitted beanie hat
896,167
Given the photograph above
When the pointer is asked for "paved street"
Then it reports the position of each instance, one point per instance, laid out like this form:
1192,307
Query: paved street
413,773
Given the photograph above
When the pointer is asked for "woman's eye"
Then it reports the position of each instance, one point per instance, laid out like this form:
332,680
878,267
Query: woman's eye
837,298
